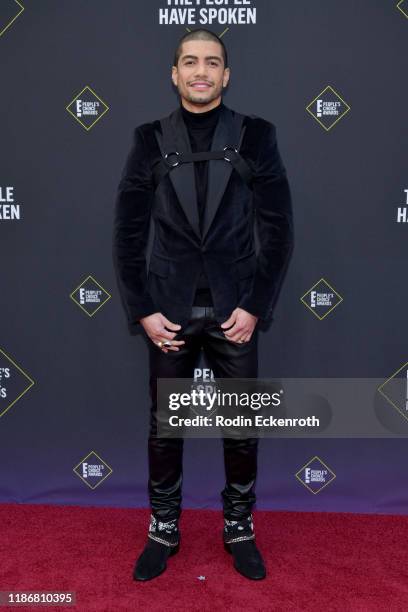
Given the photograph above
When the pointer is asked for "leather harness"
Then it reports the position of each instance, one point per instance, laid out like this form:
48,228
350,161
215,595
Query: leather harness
171,158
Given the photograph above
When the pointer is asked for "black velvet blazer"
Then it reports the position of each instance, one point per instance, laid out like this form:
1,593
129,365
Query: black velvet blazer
237,274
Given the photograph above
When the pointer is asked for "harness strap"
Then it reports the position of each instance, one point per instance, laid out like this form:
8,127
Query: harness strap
171,158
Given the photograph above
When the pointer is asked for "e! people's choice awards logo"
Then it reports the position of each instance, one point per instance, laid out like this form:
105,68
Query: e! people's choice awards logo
321,299
328,108
92,470
90,296
14,382
87,108
315,475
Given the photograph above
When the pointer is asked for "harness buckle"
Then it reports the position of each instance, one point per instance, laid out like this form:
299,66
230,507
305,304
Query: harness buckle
231,148
168,162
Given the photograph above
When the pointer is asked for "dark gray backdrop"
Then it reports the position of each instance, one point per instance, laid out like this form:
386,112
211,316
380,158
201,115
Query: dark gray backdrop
90,390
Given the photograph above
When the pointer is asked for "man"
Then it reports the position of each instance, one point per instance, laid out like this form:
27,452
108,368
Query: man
206,287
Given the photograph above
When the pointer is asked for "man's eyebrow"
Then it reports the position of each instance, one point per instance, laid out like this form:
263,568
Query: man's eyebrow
217,57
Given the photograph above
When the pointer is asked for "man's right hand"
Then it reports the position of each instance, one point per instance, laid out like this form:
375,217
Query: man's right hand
154,326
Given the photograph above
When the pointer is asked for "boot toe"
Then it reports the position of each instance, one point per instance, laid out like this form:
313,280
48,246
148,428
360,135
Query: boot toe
248,560
153,560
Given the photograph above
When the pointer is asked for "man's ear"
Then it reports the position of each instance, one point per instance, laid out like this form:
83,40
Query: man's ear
227,74
174,75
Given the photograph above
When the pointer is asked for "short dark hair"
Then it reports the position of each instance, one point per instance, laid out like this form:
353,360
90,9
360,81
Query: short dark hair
200,34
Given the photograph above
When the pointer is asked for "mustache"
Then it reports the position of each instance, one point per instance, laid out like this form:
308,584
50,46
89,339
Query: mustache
200,81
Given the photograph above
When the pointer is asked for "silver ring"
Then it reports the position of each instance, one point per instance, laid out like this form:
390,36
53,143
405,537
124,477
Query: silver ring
172,153
232,149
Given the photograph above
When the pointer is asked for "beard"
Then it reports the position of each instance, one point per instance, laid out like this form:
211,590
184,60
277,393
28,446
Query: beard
202,97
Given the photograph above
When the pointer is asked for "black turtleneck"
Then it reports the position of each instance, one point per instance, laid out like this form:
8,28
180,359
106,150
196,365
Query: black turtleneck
201,128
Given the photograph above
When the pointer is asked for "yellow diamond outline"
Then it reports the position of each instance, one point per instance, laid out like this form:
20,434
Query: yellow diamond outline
306,485
14,18
87,128
332,308
83,479
24,374
398,6
90,314
338,118
219,35
379,388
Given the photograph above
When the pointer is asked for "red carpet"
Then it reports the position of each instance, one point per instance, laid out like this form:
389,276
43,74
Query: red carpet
315,561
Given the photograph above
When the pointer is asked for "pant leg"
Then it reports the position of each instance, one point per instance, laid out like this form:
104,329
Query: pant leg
233,360
165,455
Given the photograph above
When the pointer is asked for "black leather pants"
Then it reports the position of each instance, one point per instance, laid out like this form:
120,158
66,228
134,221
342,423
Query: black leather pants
227,360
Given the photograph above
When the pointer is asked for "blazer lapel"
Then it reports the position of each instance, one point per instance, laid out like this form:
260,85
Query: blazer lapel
219,171
183,176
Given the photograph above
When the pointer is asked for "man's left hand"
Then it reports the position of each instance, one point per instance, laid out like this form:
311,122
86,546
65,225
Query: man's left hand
241,324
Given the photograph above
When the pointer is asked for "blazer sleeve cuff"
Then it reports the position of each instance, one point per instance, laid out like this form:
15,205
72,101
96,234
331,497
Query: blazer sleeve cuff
264,315
134,325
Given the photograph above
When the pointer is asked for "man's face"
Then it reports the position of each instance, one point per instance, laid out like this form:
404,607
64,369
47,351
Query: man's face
200,75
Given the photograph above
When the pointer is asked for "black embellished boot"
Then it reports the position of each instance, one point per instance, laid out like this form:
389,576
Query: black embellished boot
239,540
163,541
